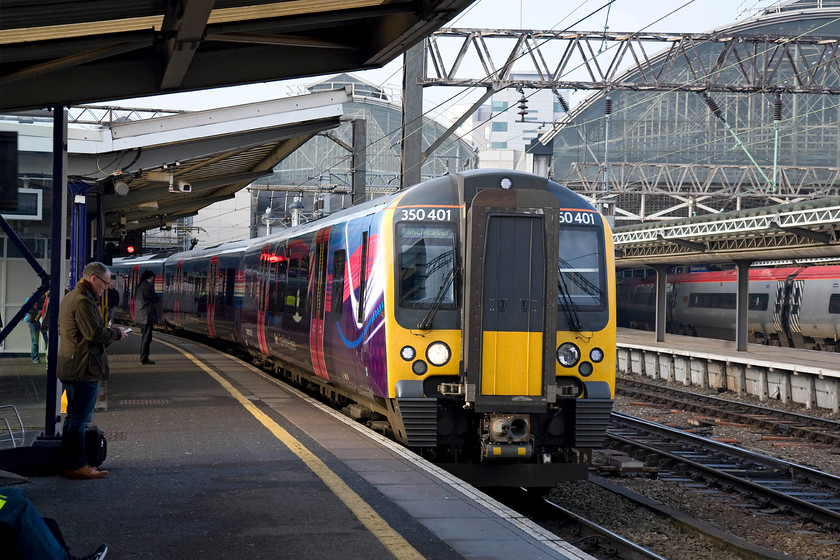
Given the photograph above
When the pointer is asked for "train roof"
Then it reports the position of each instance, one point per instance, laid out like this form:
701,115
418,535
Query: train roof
369,207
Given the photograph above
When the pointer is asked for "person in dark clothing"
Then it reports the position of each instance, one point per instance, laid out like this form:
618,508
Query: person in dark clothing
24,534
33,319
82,363
45,319
145,313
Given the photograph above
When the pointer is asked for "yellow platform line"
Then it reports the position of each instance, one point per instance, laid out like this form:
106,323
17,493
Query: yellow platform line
384,533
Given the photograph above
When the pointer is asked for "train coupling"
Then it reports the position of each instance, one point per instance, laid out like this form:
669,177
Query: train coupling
507,436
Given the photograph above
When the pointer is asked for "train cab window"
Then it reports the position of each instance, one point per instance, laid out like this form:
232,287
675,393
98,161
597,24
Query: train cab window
337,292
581,281
834,303
425,265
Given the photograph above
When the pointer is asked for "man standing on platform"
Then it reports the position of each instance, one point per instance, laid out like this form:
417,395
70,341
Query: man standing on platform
145,313
82,363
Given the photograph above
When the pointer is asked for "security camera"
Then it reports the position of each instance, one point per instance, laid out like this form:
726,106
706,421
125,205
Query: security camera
180,186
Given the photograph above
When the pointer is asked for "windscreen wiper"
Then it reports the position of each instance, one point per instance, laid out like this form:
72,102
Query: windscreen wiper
426,322
569,307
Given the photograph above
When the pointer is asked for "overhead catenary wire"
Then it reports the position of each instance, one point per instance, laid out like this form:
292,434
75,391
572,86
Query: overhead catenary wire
628,108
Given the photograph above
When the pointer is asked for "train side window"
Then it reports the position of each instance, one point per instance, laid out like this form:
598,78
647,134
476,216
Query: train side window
278,299
304,284
759,302
337,292
834,303
229,286
293,286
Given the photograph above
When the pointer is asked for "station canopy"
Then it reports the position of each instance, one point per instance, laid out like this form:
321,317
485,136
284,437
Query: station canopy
155,171
70,51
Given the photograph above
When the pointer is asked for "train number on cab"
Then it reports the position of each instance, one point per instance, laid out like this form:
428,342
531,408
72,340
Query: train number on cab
578,218
431,214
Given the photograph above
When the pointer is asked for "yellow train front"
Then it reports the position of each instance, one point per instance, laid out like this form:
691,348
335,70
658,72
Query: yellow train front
500,326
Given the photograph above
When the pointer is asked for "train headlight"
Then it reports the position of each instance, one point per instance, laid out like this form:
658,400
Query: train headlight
438,353
419,367
585,369
505,183
568,354
596,355
408,353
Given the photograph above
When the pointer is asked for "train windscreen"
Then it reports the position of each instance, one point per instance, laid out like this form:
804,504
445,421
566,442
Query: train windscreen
426,259
581,280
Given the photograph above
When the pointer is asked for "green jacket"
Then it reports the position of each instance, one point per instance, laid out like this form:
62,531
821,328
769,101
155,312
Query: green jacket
83,337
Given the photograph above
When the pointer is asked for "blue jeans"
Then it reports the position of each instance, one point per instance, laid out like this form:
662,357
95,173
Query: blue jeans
32,535
35,335
81,400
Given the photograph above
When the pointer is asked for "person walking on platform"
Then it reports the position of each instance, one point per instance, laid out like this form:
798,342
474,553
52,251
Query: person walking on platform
145,313
33,319
82,363
24,534
45,318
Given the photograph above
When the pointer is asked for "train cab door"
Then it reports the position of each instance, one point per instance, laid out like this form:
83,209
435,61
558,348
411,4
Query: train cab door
363,311
262,296
211,295
510,311
132,282
177,288
316,324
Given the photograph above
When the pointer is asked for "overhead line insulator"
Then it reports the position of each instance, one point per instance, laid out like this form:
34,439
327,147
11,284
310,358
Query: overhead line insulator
712,105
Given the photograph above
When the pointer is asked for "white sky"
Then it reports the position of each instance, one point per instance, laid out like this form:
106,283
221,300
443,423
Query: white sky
684,16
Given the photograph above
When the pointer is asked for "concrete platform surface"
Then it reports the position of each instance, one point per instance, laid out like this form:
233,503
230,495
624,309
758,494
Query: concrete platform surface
211,458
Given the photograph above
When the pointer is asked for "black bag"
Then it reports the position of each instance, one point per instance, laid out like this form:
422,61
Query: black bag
96,446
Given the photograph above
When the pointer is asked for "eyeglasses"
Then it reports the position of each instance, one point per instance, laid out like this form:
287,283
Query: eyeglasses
107,284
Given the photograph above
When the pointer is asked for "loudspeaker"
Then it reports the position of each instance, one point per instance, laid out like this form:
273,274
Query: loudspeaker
8,171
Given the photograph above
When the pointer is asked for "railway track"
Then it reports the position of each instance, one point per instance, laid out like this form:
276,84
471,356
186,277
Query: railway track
690,459
809,428
592,538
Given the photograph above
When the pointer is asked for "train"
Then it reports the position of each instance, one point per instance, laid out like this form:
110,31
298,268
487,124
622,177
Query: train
472,314
789,306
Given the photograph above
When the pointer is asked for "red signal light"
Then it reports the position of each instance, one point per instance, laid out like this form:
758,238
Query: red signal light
130,249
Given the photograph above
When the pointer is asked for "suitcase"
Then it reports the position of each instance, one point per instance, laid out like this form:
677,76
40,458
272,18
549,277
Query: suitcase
96,446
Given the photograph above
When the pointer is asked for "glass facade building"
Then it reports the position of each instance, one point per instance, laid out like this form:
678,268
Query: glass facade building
325,162
670,156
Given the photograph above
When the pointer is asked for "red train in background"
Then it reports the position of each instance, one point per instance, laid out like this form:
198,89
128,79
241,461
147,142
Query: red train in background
795,306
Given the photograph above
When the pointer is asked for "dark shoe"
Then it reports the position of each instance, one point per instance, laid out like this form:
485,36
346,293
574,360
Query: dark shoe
147,362
100,554
84,473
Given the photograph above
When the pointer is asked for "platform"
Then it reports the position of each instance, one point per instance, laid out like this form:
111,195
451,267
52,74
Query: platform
211,458
808,377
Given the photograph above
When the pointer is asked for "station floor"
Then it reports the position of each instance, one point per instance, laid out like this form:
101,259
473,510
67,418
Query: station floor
211,459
